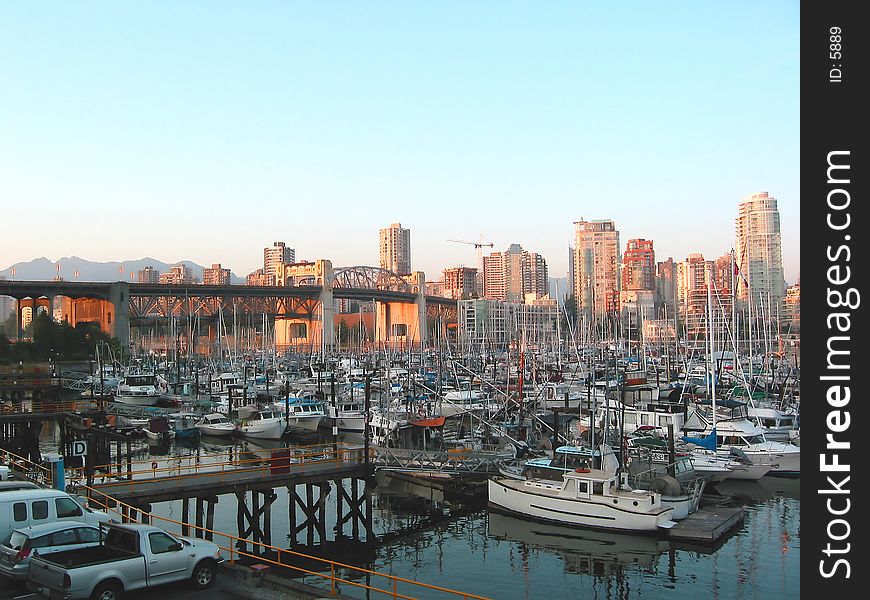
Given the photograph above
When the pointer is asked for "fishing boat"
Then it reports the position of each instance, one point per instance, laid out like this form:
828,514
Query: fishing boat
184,425
304,413
268,424
584,498
138,390
158,430
216,424
350,416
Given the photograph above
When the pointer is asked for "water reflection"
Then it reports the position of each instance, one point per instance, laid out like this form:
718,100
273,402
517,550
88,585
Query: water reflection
583,551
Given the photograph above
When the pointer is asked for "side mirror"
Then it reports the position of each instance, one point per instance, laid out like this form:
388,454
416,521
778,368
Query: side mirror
177,547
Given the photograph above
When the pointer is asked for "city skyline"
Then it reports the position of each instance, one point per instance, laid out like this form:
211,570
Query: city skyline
458,121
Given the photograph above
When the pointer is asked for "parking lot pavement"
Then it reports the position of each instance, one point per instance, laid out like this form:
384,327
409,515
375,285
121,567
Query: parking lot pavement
11,590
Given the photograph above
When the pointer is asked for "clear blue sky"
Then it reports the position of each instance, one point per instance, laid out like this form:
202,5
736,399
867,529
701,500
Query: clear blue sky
207,130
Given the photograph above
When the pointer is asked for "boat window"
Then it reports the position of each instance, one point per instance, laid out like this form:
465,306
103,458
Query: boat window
583,487
597,488
755,439
19,511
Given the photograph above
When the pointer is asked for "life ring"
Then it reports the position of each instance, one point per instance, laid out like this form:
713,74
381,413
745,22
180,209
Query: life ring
581,470
421,411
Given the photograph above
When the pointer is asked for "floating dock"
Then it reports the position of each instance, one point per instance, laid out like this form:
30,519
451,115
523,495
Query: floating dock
707,524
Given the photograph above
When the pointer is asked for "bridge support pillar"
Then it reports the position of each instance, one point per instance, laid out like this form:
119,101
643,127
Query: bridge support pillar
401,324
248,521
323,269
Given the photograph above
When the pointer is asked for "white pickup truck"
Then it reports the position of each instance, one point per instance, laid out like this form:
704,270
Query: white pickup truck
130,557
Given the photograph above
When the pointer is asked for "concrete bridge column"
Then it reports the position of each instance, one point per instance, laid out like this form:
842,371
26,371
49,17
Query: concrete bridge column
327,305
420,304
119,322
402,324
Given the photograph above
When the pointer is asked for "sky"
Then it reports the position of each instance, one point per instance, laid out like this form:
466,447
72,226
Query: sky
206,130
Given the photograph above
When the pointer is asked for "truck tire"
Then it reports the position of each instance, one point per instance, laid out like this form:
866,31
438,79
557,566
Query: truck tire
107,590
203,574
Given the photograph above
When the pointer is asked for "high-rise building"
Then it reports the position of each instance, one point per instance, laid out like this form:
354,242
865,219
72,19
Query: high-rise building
275,258
666,286
178,275
693,275
216,275
460,282
395,249
596,267
148,275
639,266
514,273
759,250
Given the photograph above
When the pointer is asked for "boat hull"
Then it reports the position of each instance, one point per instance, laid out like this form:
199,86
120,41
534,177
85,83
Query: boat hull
265,431
137,400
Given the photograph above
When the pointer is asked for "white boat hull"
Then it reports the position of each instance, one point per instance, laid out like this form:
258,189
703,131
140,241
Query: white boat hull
307,423
215,431
137,400
272,430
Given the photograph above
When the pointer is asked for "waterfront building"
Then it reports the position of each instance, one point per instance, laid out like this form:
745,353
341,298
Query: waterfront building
275,258
666,286
637,291
639,265
395,249
216,275
791,312
459,283
512,274
148,275
178,274
759,250
495,324
693,275
596,267
259,278
660,333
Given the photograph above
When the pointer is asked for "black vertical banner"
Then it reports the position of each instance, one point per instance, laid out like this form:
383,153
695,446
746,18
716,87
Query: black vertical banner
834,222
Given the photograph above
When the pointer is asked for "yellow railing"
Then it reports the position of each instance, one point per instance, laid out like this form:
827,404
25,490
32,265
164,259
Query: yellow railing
230,542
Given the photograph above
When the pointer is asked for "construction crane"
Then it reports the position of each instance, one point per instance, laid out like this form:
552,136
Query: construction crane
477,245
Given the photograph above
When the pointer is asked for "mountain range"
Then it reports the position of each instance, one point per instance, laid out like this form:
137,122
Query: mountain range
42,269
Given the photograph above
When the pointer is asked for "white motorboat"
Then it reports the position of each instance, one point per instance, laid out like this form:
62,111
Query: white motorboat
740,433
216,424
584,498
158,430
138,390
305,413
265,424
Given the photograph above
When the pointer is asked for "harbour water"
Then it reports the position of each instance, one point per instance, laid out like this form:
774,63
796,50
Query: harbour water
470,549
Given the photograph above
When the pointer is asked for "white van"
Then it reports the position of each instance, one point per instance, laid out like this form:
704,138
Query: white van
24,508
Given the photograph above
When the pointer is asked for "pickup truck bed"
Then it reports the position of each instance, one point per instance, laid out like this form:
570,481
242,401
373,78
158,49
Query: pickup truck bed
95,555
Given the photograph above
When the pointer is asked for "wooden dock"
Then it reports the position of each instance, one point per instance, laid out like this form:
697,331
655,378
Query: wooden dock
707,524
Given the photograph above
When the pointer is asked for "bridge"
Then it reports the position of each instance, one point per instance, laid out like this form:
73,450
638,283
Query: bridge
301,305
